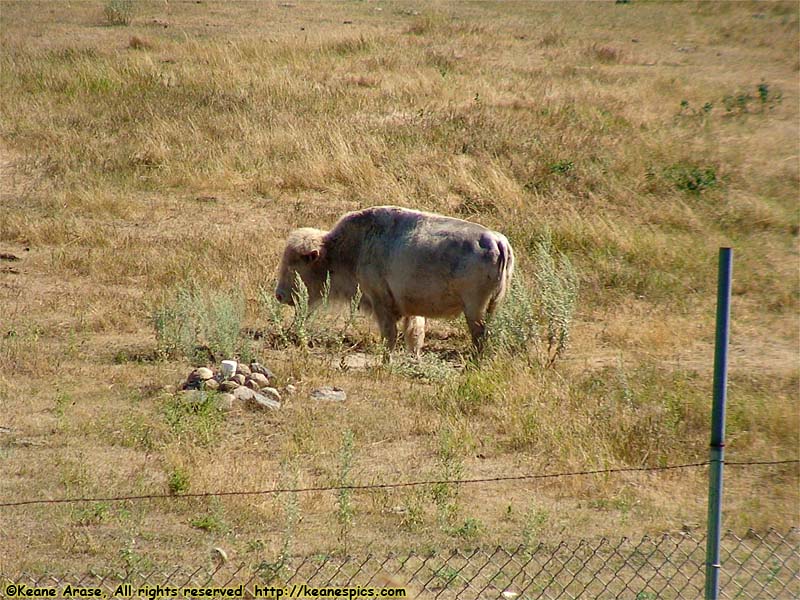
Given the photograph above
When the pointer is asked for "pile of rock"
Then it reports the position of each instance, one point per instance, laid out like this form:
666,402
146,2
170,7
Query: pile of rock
249,385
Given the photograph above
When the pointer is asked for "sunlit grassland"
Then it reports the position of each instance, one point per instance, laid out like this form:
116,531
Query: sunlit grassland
132,169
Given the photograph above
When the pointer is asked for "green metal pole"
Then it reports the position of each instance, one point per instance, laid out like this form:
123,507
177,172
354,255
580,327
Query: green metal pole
717,454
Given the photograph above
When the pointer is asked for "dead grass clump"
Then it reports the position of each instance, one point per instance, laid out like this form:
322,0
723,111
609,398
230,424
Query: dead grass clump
604,54
426,24
364,81
348,46
138,43
553,38
441,61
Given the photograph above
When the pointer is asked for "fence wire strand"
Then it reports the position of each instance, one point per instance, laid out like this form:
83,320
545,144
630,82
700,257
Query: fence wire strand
401,484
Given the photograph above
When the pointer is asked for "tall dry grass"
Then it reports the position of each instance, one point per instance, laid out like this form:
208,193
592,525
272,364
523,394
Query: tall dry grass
130,169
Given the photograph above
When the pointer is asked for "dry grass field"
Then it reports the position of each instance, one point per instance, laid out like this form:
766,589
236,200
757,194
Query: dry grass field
173,153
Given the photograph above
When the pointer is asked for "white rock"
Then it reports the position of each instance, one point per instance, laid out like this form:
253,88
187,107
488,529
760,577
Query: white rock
242,369
260,379
329,393
245,394
201,374
219,556
291,389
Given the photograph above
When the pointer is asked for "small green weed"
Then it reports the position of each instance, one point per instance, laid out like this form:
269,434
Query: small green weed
743,102
304,330
562,166
686,110
63,400
178,482
291,509
450,467
210,522
98,512
470,529
344,505
413,518
132,559
214,520
692,178
446,575
198,421
535,520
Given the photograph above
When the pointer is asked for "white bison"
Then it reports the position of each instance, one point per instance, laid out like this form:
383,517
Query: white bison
408,264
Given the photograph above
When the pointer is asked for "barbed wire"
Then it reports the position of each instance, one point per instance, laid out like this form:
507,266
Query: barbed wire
401,484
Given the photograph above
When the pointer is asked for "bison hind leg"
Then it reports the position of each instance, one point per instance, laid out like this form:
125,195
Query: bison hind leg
414,334
475,313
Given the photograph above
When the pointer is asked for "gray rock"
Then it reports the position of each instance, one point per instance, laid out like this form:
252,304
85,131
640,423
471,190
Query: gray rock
192,396
240,379
252,384
228,386
272,393
357,360
259,368
226,401
334,394
211,385
242,369
243,394
261,401
260,379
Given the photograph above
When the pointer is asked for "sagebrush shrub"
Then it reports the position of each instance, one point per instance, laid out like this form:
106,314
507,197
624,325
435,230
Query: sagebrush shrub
193,320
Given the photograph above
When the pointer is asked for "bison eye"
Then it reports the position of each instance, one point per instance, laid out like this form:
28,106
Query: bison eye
311,256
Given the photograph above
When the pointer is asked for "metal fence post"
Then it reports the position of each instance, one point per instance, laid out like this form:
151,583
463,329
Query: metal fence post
717,453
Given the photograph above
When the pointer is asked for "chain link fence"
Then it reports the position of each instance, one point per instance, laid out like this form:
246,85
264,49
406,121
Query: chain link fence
670,566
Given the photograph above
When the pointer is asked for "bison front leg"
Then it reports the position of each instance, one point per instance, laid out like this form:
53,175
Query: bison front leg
414,334
387,322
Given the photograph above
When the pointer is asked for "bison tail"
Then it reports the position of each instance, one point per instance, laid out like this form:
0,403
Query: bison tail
505,266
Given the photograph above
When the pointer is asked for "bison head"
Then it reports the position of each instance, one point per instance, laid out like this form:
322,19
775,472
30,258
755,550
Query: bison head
304,256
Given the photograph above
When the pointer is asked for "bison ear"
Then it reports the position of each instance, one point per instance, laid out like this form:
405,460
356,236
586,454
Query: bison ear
311,256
